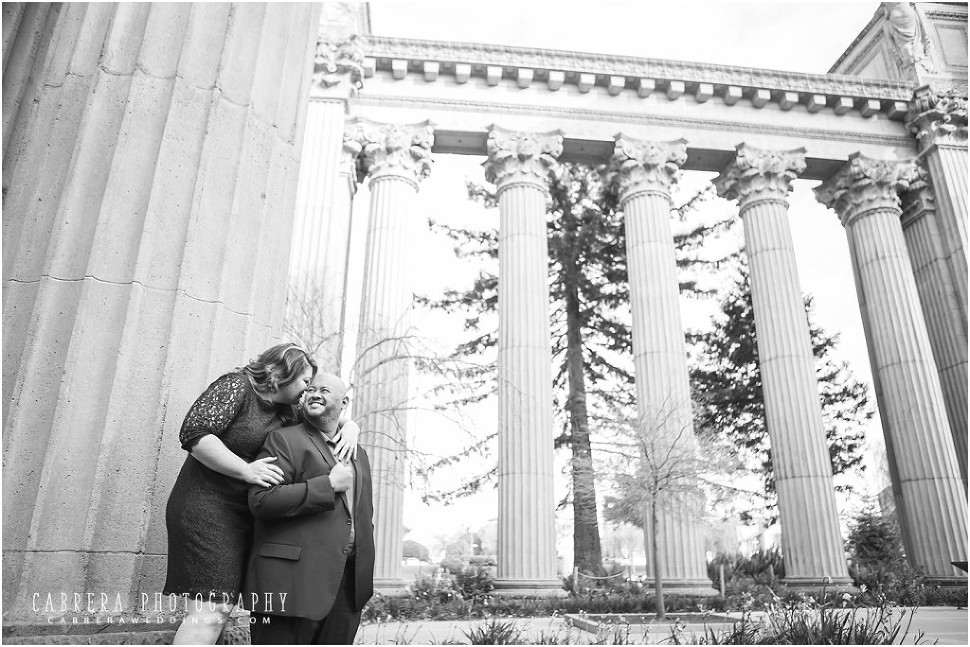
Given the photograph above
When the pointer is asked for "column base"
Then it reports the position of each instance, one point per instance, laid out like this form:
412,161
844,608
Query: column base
688,588
391,588
818,584
509,588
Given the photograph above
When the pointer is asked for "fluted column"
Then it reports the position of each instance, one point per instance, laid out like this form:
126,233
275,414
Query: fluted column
644,173
939,123
811,542
316,302
519,165
940,305
927,486
152,198
395,159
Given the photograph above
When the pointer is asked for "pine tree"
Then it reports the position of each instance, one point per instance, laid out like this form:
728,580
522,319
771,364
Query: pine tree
729,404
591,342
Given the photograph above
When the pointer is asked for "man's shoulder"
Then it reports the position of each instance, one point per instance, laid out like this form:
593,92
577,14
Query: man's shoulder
289,435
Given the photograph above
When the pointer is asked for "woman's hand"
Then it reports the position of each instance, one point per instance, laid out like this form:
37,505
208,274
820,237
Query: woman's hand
345,440
260,472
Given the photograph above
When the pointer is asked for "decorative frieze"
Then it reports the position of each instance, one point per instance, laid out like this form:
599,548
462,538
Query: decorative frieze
864,184
392,149
645,165
757,174
521,157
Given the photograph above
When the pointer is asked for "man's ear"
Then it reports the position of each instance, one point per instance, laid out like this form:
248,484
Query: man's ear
344,402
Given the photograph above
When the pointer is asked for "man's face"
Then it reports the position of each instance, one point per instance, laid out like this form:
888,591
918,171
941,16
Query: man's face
325,398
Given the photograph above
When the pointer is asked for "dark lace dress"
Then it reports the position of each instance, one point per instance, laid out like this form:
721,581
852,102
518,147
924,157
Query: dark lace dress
209,524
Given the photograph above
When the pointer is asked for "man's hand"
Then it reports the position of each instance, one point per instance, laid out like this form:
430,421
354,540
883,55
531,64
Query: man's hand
341,478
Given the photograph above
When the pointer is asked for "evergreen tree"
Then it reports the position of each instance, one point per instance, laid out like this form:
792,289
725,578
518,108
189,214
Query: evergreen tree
590,332
729,404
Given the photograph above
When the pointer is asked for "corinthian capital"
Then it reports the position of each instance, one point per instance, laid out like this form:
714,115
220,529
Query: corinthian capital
865,184
645,166
757,174
338,66
919,198
937,118
395,150
515,156
349,154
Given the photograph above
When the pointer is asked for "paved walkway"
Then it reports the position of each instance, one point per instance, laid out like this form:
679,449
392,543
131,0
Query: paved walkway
946,625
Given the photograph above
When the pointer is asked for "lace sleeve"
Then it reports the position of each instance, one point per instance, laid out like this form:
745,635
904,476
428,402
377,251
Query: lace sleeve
212,412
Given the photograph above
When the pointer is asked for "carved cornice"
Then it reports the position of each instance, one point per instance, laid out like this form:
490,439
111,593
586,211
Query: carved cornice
393,150
521,157
865,184
919,199
338,67
938,118
619,72
639,165
757,174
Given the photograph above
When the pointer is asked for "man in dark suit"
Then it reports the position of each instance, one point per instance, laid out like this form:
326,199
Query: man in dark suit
311,569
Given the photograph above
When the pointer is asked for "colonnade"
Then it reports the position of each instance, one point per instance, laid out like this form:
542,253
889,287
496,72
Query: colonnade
897,275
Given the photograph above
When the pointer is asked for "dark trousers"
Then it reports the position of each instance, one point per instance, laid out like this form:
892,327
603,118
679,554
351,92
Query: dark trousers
338,628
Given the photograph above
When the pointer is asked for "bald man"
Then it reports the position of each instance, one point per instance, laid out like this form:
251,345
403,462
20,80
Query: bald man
311,569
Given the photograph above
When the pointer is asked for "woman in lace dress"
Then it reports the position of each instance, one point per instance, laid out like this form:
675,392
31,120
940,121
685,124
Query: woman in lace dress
209,524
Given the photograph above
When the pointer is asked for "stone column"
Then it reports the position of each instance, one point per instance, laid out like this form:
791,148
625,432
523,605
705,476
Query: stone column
811,542
519,165
316,302
149,209
935,225
940,305
939,123
644,173
395,158
927,486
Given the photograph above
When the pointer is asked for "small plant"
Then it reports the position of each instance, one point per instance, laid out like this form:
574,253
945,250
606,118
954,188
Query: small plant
495,632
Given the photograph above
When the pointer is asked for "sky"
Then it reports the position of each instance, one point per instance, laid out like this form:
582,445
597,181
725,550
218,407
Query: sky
797,36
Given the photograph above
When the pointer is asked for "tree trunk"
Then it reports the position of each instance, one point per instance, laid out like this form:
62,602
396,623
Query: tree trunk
658,583
587,552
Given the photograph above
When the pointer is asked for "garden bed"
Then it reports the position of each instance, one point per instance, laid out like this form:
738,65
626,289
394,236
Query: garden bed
597,622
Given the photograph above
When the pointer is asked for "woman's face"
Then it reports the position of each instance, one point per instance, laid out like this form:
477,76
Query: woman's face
290,394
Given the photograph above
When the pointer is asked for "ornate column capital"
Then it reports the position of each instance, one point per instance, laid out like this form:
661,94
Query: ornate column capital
515,157
645,166
402,151
865,184
338,67
758,174
937,118
919,198
349,153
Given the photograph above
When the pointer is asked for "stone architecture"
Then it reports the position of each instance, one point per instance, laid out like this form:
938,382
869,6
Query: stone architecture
152,192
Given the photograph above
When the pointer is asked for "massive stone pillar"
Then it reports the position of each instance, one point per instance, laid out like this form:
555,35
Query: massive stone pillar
926,484
316,302
644,173
519,165
146,222
811,542
935,225
940,305
395,158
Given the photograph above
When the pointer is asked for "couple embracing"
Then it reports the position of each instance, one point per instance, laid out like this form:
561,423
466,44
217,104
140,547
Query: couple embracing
272,508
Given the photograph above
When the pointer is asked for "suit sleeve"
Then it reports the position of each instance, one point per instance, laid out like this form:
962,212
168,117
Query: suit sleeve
288,499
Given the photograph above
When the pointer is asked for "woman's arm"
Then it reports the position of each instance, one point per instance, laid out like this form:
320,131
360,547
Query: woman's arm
213,453
345,440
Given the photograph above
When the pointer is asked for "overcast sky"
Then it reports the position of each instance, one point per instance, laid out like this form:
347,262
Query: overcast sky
802,37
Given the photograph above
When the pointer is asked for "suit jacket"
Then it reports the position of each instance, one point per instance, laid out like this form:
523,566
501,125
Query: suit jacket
301,541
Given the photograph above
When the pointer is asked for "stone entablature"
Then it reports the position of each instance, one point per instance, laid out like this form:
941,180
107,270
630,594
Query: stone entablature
642,76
